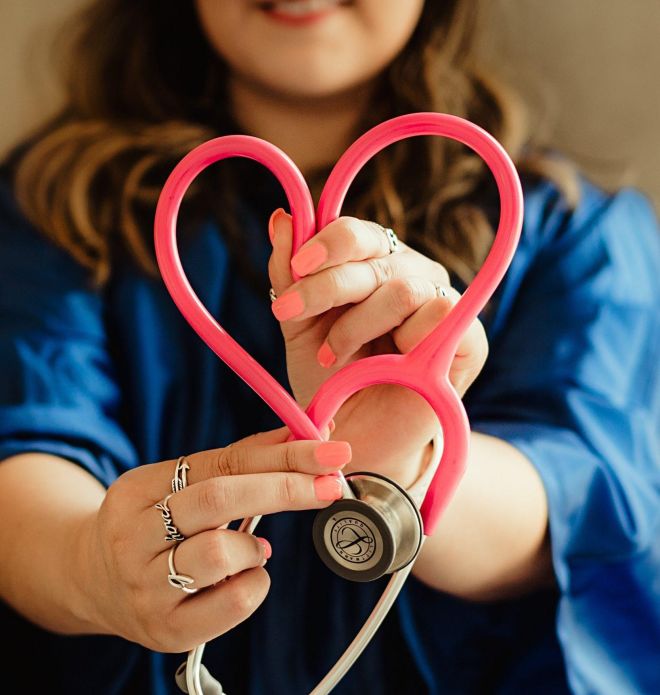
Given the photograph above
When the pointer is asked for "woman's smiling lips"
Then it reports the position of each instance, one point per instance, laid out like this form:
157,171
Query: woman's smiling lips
300,12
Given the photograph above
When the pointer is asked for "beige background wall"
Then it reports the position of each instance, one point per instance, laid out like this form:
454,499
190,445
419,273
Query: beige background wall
589,68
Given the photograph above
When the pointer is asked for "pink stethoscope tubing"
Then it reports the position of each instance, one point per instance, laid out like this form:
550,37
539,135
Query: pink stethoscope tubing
426,368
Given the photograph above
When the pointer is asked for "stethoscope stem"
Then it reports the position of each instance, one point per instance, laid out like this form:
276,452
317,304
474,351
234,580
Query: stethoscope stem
193,667
345,661
194,661
354,649
362,639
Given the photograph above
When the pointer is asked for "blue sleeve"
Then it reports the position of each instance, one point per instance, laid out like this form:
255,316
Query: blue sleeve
58,393
572,382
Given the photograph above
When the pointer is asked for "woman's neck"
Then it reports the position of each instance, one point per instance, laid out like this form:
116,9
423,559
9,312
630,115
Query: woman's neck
313,132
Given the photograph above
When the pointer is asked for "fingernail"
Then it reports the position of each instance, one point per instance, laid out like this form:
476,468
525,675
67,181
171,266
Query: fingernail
333,454
271,223
325,356
268,551
309,259
328,487
288,306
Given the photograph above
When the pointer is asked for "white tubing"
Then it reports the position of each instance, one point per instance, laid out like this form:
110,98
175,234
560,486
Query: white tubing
362,639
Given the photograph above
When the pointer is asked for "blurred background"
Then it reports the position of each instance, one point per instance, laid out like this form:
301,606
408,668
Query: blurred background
589,70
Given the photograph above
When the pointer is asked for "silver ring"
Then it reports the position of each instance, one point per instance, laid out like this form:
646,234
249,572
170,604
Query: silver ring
179,581
272,295
180,479
392,238
171,530
440,290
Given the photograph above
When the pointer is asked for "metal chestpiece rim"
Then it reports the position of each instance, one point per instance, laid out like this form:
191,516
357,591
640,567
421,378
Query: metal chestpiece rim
377,533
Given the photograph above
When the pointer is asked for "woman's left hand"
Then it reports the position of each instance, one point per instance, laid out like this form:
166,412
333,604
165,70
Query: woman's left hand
355,298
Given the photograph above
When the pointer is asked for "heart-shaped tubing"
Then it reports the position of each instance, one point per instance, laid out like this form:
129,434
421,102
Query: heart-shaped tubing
189,304
426,368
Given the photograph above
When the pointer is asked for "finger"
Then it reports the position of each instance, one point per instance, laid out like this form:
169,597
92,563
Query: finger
276,436
305,456
351,283
421,324
212,503
470,358
472,350
210,557
343,240
204,616
387,308
265,452
280,228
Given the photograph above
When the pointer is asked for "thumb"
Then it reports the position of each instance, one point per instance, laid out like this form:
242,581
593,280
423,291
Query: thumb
278,436
280,230
472,349
421,324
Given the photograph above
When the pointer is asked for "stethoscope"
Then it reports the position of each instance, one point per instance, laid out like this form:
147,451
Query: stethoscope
389,525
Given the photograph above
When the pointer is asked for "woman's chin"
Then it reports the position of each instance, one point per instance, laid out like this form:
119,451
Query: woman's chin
307,84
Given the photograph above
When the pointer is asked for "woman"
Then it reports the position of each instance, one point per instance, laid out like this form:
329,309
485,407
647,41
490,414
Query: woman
103,375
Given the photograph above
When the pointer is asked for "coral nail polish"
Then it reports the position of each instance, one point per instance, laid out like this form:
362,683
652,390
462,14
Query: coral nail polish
268,551
271,223
288,306
333,454
325,356
327,487
310,259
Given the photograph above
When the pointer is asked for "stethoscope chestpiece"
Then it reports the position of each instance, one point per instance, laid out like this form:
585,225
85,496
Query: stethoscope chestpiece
377,533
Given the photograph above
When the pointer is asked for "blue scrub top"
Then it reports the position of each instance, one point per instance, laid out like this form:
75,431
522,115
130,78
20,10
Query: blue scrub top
115,378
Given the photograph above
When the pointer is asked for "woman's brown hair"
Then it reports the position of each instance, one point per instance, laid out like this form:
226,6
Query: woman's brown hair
144,87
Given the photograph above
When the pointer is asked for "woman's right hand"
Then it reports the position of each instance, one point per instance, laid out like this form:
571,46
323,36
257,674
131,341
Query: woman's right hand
128,592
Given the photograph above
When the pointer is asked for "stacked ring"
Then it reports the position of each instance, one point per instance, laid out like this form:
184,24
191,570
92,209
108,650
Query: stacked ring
180,479
179,581
392,238
172,533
